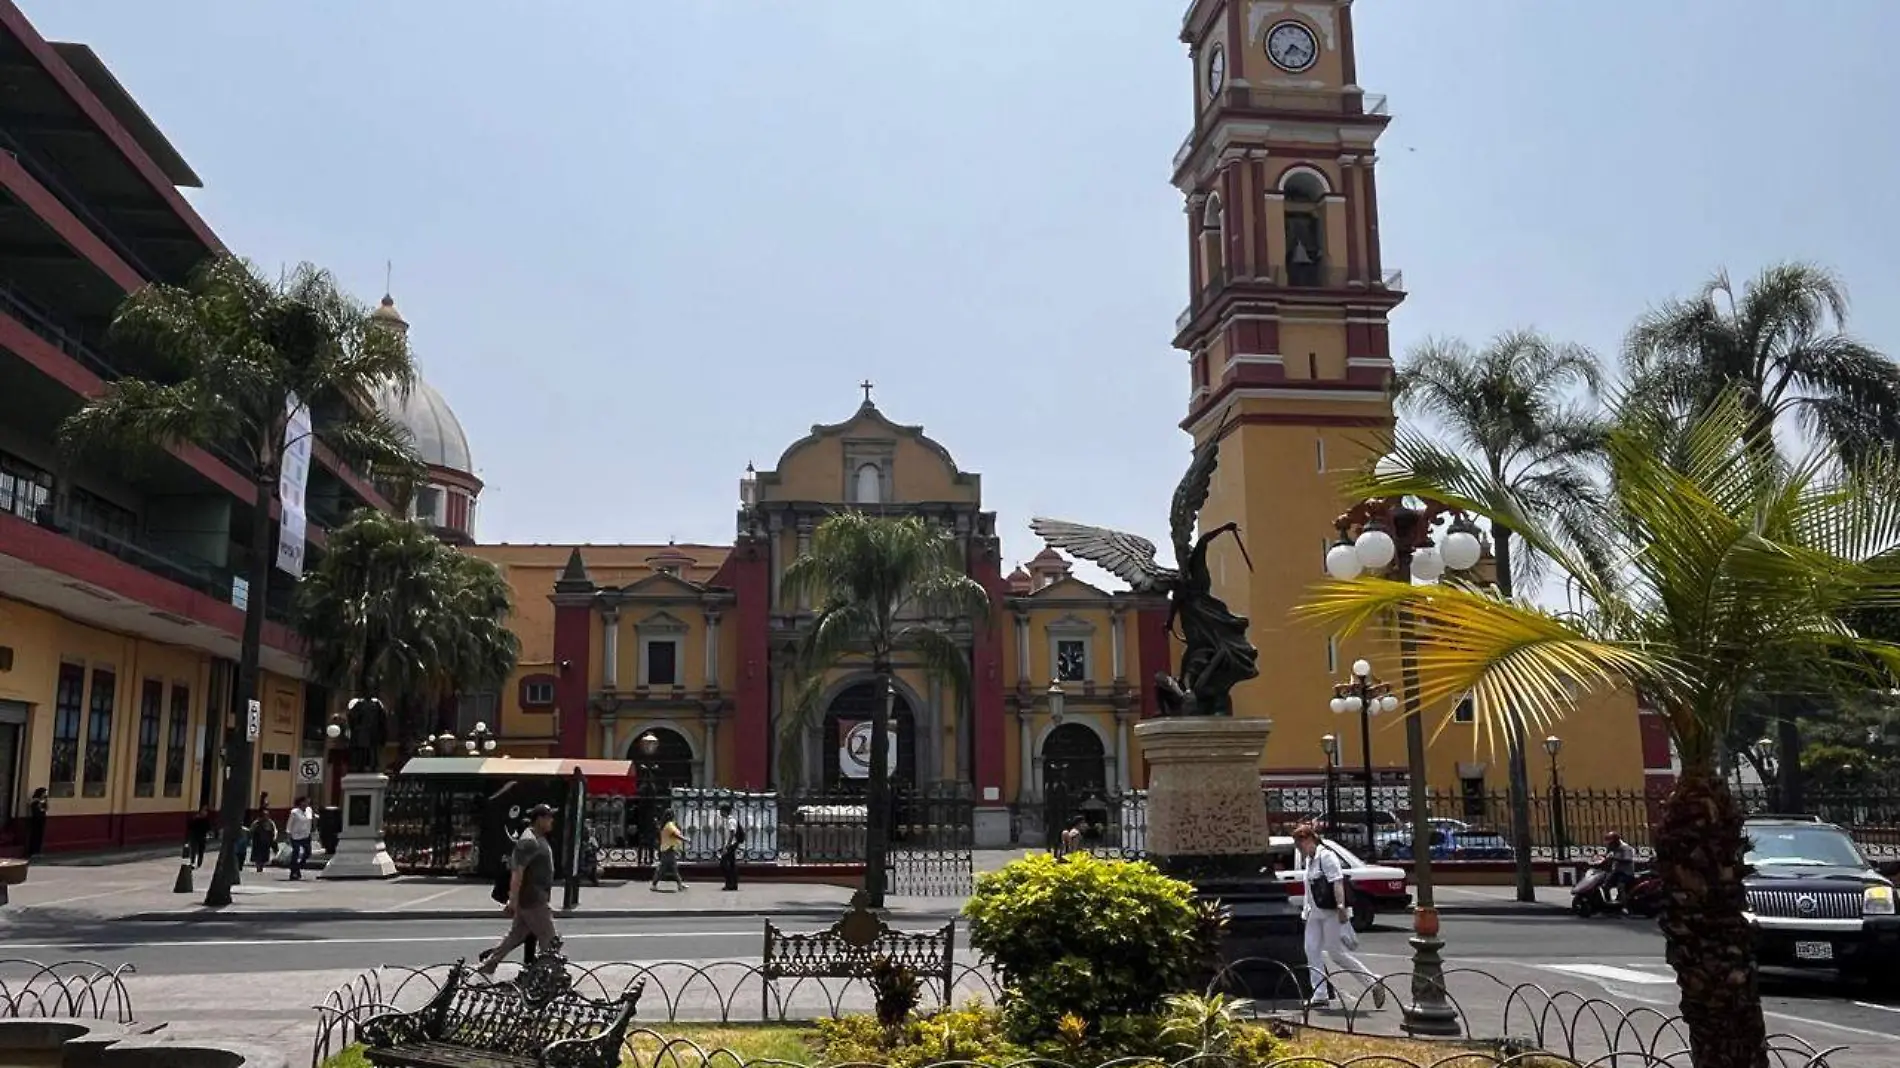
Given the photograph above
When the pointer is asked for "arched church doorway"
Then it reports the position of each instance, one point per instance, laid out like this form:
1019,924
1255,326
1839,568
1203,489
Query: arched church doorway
1074,782
847,737
671,763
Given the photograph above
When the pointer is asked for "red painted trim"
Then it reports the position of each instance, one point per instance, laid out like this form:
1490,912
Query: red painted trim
986,737
1153,655
76,834
1257,206
1373,262
76,234
1654,734
574,646
16,23
40,547
1348,62
1228,386
747,573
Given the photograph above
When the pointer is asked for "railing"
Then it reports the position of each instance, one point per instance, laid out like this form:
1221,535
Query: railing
171,563
1311,276
1331,102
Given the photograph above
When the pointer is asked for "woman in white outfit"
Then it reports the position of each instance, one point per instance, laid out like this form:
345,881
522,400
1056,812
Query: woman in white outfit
1326,911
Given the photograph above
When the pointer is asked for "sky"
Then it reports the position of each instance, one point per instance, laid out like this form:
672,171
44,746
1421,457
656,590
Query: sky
642,244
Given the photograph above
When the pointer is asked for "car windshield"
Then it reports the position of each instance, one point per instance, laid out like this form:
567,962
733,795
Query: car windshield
1801,846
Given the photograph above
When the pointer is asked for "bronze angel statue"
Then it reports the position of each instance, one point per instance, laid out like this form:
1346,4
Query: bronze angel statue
1217,654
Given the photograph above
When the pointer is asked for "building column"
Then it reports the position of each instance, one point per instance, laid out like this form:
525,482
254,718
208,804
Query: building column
1027,788
1122,752
775,524
610,650
712,650
607,725
1117,644
1022,648
708,761
1349,183
804,547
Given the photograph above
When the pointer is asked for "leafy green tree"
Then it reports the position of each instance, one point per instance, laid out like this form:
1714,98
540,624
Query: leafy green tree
1712,570
1782,346
235,348
1519,406
392,611
880,585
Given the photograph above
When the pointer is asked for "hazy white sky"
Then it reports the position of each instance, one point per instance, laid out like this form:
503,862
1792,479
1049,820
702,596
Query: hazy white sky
642,244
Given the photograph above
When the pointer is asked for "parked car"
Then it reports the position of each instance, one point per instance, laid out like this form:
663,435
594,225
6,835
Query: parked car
1376,888
1815,902
1466,843
1349,827
1390,838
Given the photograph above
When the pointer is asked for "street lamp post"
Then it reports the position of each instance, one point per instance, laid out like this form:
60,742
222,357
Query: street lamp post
878,799
1393,537
1329,744
1558,837
480,741
1368,697
645,789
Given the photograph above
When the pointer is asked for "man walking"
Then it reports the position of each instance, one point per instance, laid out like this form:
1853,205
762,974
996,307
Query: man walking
729,856
297,828
530,891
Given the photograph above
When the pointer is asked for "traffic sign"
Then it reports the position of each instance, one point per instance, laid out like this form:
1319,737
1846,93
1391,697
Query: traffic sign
309,770
253,719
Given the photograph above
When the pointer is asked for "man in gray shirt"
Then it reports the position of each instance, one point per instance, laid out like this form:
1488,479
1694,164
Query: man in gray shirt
530,891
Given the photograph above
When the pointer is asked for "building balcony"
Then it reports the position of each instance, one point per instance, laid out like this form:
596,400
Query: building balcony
1246,101
1280,279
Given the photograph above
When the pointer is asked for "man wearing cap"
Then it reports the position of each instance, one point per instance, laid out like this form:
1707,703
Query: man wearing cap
530,891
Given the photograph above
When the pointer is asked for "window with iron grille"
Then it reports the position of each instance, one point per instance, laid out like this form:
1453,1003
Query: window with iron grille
68,700
151,708
99,732
175,729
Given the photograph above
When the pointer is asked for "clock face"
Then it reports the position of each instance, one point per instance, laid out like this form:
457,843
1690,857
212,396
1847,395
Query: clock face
1216,70
1069,661
1292,46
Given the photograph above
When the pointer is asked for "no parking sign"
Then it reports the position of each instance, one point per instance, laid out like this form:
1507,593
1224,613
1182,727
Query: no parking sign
309,769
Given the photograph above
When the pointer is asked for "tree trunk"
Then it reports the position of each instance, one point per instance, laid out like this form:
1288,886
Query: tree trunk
237,748
1520,776
1699,848
878,797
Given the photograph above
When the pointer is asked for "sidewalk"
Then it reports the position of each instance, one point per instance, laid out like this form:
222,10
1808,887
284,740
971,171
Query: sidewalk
1499,901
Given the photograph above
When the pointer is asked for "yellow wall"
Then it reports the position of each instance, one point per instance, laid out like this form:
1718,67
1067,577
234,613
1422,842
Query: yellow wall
814,468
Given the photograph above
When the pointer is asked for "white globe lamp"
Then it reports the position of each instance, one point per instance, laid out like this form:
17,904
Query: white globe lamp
1375,549
1389,703
1342,563
333,732
1362,668
1461,550
1353,704
1338,705
1428,564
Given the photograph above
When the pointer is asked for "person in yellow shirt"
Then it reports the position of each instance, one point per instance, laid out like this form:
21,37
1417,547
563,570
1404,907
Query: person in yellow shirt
672,847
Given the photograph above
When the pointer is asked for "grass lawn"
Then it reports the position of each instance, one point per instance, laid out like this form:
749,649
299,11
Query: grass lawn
792,1043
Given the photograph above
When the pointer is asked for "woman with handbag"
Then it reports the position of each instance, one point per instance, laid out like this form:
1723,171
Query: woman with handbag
1327,915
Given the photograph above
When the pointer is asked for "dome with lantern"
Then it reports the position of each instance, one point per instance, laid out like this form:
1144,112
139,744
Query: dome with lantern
446,498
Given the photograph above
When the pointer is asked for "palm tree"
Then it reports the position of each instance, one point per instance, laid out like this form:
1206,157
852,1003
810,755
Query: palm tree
1512,405
1720,569
241,352
391,610
1782,344
881,585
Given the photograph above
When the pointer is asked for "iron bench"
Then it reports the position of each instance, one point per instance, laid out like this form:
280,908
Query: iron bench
851,948
536,1021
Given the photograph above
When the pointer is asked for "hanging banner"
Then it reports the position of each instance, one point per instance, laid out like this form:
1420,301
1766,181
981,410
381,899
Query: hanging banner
293,475
854,749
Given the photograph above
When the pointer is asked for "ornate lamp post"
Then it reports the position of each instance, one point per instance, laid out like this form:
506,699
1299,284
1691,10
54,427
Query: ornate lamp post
1368,697
1558,837
1329,744
1393,537
1057,699
480,741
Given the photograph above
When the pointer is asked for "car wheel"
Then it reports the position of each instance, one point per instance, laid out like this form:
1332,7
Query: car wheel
1362,916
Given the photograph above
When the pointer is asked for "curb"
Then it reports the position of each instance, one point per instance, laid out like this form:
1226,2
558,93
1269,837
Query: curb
201,914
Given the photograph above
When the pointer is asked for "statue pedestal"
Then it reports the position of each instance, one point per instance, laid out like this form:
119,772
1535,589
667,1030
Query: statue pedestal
1207,824
360,853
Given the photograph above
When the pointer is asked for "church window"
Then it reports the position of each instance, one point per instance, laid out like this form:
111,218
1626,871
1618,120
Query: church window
430,506
1305,228
1213,249
868,485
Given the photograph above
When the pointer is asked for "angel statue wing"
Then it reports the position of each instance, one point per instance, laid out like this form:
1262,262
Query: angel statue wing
1191,495
1129,557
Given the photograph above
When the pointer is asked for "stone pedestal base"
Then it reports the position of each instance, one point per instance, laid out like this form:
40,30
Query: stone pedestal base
360,853
1207,824
992,827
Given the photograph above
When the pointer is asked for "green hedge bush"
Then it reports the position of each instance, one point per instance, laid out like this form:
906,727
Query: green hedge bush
1087,937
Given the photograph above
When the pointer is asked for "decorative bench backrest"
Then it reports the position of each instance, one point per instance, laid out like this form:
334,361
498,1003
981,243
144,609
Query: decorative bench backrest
849,949
524,1018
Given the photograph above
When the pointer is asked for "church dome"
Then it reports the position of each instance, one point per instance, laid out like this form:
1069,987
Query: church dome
431,422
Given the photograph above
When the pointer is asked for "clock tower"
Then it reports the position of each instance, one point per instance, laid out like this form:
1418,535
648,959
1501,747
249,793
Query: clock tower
1285,330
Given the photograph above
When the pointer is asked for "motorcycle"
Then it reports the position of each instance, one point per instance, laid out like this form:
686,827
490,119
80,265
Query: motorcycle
1642,895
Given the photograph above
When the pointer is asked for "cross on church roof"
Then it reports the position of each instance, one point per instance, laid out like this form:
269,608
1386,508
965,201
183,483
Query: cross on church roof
866,386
